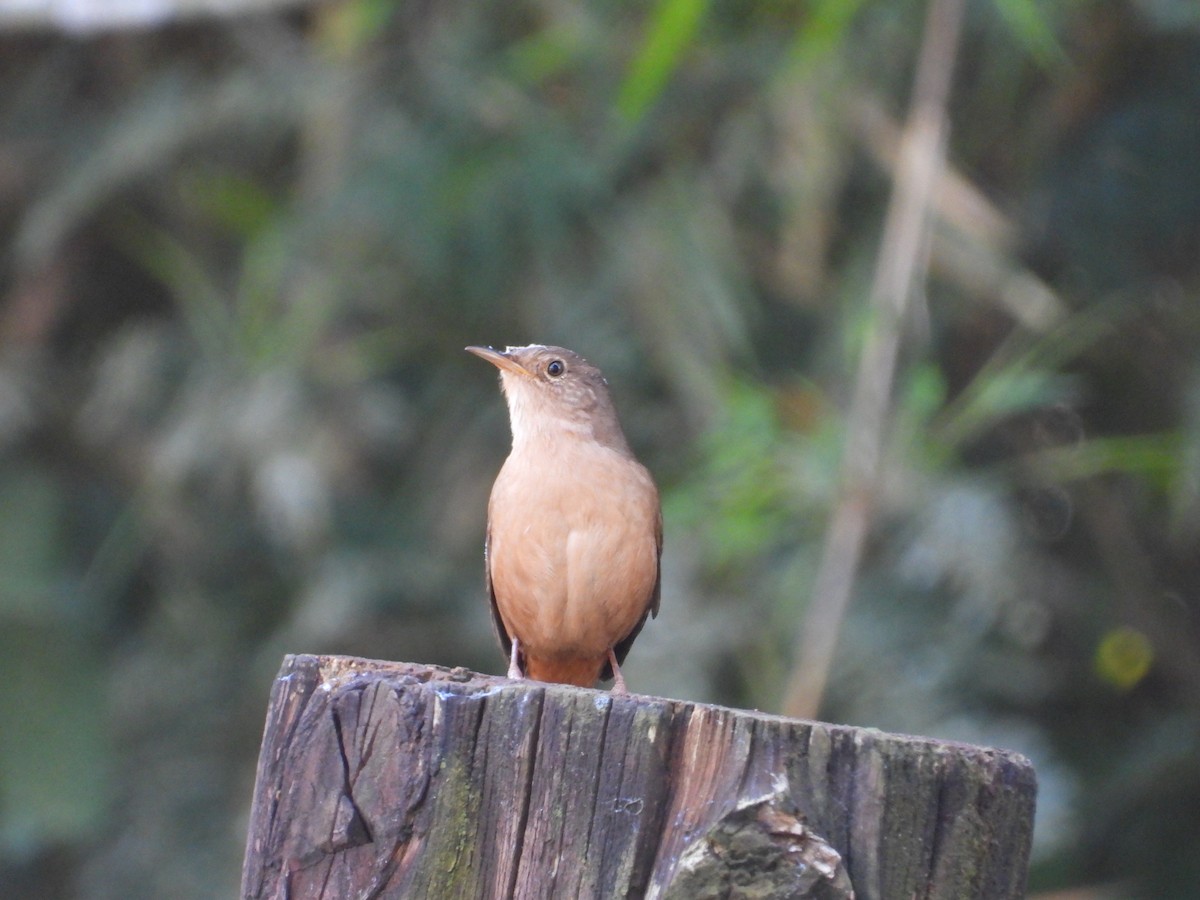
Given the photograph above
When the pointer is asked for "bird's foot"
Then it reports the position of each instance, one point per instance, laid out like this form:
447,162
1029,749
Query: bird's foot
514,662
619,686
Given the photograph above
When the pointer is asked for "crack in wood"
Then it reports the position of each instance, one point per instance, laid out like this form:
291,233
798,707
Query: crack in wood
355,831
510,886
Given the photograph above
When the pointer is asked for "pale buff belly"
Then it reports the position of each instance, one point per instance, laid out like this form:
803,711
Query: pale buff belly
573,560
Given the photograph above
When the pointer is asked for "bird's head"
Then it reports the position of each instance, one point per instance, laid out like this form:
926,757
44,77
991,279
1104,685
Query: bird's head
554,392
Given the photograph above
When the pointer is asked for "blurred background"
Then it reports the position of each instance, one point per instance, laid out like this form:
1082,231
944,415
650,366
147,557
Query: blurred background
243,243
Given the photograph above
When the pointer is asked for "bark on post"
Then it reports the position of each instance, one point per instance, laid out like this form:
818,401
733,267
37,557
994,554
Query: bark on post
397,780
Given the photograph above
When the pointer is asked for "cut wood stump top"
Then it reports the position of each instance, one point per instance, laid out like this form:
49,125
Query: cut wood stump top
381,779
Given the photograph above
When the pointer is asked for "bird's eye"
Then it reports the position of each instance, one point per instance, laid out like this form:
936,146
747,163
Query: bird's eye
555,368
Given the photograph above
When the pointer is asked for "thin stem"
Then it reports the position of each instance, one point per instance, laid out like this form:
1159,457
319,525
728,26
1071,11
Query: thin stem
899,272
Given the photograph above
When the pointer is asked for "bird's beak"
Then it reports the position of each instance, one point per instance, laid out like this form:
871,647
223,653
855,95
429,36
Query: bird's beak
500,360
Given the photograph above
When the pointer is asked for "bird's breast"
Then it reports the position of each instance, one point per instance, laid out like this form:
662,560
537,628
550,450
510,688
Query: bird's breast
573,549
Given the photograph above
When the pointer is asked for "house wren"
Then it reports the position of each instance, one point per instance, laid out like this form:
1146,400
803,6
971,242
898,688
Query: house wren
574,530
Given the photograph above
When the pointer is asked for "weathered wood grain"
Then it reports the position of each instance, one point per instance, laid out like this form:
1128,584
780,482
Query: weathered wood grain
395,780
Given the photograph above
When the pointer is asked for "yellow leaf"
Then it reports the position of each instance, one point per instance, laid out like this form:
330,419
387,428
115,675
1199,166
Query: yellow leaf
1123,657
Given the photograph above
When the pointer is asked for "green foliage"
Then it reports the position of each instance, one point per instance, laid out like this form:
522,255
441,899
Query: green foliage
243,256
54,756
31,541
233,202
1024,374
824,29
736,500
55,769
1154,459
672,27
1033,28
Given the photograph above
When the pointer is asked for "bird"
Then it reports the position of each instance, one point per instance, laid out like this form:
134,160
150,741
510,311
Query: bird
574,524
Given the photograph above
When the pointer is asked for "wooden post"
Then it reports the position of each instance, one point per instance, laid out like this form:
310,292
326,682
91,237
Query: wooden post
394,780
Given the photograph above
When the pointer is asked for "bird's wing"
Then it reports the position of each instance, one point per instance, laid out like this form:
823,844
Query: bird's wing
622,647
501,635
657,595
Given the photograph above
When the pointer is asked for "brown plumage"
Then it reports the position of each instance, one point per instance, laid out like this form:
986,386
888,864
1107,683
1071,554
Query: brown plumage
574,524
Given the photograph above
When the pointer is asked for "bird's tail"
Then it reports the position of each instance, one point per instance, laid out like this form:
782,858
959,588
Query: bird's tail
582,672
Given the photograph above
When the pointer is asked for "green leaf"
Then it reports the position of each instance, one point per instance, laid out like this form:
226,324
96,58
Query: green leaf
924,392
824,29
201,301
1023,374
1033,31
674,25
1155,457
545,54
239,204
